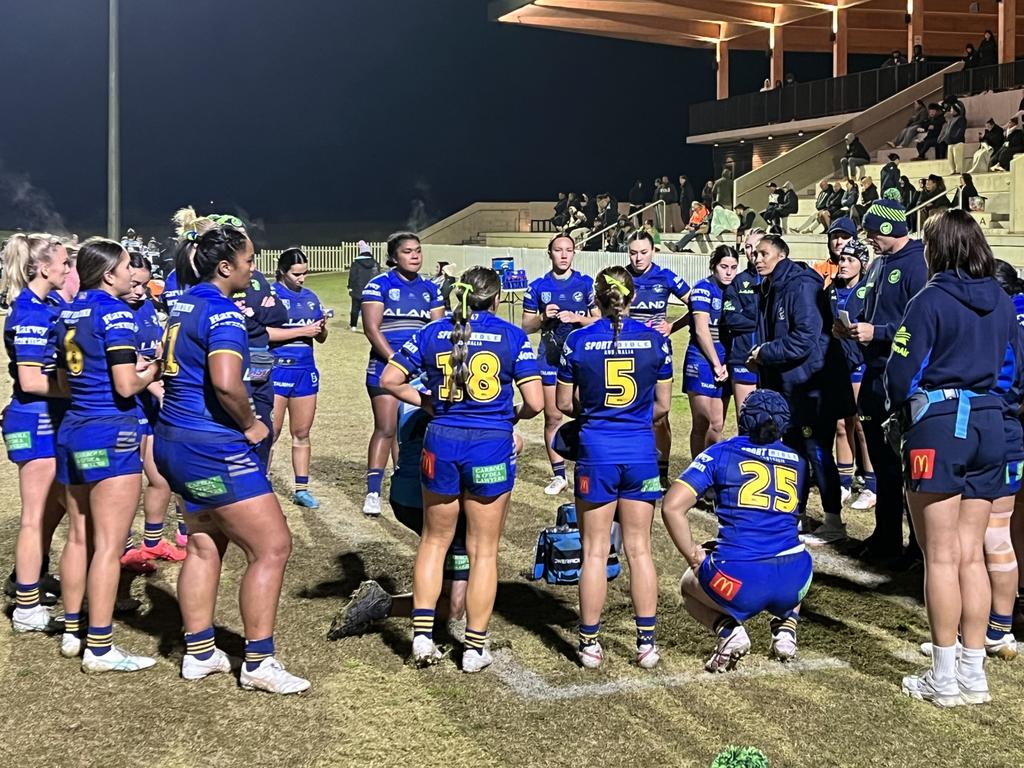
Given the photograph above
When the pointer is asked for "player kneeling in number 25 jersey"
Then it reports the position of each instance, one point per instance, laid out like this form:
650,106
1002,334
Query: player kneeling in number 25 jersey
759,563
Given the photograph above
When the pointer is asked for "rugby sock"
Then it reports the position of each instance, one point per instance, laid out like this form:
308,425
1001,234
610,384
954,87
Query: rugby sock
72,623
423,623
256,651
301,483
788,624
27,595
869,482
374,480
972,663
475,640
200,644
588,634
99,640
845,475
999,625
644,630
152,533
129,542
944,661
182,528
558,469
724,626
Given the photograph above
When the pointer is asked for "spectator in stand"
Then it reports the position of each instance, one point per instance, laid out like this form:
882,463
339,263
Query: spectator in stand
652,230
774,201
722,191
834,207
723,220
364,268
616,238
1013,145
825,193
767,85
588,205
932,130
686,196
991,141
790,79
666,194
896,59
964,192
970,57
560,208
746,217
955,134
637,197
707,195
699,224
889,177
918,57
868,195
607,214
855,157
988,50
914,126
787,206
576,227
935,195
909,200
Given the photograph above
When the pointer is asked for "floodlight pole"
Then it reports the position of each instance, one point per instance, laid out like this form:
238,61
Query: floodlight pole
113,133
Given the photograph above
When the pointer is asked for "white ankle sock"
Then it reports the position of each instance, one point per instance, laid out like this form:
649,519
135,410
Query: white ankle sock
944,661
972,663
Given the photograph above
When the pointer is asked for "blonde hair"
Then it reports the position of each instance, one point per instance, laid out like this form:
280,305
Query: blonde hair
476,290
22,256
866,181
186,220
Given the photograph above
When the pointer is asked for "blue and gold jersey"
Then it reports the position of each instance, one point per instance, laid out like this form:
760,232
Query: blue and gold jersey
757,489
616,384
204,322
95,328
303,308
499,356
407,305
29,339
653,288
261,309
706,297
171,290
150,329
572,293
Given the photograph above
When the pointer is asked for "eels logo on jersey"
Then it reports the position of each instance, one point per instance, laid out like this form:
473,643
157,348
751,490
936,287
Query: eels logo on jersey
901,342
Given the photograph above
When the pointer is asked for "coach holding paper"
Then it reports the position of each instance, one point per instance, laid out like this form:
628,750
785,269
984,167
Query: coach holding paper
898,272
799,359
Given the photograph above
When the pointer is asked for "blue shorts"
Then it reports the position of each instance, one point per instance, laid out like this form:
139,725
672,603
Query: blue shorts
373,371
208,474
94,448
604,483
936,461
456,561
1014,432
29,433
478,461
744,588
698,377
145,428
857,374
296,381
740,374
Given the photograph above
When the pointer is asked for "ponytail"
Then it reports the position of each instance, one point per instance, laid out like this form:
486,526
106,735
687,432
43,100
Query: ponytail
613,292
22,256
476,290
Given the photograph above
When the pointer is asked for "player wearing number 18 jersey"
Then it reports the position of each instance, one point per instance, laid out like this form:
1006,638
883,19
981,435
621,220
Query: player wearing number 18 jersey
471,362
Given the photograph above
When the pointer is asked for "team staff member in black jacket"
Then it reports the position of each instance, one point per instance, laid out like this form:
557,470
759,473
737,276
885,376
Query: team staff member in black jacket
739,323
955,356
797,358
894,277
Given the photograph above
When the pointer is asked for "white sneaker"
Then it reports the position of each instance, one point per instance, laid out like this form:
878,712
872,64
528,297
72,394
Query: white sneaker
70,646
647,655
865,500
730,650
193,668
1004,648
556,486
974,690
825,534
371,505
424,652
783,646
271,677
34,619
591,656
115,660
353,329
475,662
941,693
845,494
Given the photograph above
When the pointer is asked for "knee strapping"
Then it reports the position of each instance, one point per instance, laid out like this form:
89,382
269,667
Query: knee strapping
999,554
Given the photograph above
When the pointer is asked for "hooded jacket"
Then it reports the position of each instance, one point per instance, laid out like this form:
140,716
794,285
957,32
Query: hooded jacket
364,268
958,333
855,149
892,280
890,176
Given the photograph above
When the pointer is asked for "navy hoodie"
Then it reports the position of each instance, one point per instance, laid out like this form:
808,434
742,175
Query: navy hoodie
739,316
958,333
892,280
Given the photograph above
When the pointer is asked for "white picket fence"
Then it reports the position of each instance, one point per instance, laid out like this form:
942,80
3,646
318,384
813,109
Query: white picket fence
323,258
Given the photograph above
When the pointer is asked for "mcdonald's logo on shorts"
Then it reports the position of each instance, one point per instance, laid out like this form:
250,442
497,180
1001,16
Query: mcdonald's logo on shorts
922,464
583,481
724,586
427,464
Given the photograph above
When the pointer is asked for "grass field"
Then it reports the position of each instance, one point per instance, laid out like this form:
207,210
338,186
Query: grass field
839,706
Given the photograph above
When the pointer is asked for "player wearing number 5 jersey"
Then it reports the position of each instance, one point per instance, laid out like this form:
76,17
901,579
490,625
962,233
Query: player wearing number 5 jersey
620,371
98,448
758,563
471,362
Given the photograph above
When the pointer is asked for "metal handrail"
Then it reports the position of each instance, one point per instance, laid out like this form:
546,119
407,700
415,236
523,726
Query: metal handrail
610,227
925,204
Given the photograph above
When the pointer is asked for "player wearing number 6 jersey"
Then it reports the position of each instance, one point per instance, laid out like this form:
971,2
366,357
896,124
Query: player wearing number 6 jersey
758,563
471,361
620,370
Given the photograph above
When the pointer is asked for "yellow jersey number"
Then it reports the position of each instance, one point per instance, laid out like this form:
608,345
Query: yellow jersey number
784,497
171,366
73,353
482,385
621,385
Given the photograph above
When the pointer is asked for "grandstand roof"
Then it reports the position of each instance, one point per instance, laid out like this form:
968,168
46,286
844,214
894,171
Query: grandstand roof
874,26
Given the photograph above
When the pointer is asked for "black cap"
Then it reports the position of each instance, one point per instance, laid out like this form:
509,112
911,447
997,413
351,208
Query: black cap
893,156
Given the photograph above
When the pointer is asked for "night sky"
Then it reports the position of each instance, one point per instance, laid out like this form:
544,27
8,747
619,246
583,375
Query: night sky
319,110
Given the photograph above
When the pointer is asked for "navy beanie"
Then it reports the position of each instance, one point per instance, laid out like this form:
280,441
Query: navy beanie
886,217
